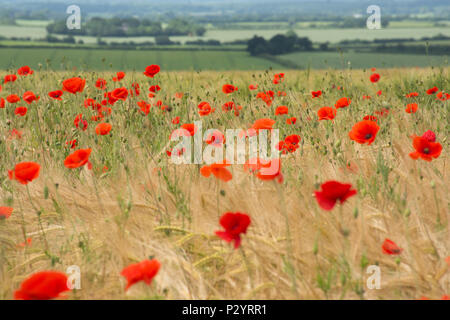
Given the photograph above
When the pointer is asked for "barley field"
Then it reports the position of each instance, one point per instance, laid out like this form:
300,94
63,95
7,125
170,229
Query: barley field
121,201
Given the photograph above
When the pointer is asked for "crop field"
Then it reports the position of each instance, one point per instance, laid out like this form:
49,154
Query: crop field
95,59
89,179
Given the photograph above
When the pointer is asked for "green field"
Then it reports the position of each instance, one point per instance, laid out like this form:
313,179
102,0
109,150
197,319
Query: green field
323,60
95,59
132,60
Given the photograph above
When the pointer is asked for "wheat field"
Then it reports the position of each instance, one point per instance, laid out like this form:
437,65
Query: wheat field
134,204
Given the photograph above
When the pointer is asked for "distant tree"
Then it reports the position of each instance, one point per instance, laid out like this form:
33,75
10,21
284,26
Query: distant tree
257,45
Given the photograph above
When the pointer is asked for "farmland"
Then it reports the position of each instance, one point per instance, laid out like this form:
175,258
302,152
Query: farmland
127,202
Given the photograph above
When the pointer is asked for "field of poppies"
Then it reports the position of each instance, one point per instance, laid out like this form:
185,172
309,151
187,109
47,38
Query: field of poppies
93,207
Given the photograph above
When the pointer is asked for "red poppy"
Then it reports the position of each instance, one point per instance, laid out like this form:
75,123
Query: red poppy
152,70
253,87
390,247
144,107
29,97
25,243
316,94
136,88
290,144
429,135
74,85
432,90
100,84
56,94
120,93
425,149
326,113
13,98
9,78
143,271
103,129
281,93
205,109
291,120
43,285
332,191
24,172
119,76
154,88
342,103
379,93
5,212
219,170
79,120
374,77
364,132
72,143
281,110
215,138
267,97
187,129
228,88
2,103
24,71
443,96
411,108
278,78
263,124
265,169
14,133
77,159
176,120
179,95
234,224
21,111
412,94
371,118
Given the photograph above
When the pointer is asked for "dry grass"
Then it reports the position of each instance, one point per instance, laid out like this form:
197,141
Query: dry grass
147,207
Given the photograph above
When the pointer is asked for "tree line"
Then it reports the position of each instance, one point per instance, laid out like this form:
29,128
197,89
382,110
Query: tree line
279,44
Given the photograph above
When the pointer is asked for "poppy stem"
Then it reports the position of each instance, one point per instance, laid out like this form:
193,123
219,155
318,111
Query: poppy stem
38,213
247,265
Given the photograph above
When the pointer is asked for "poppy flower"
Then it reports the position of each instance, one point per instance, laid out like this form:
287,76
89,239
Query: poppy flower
5,212
291,120
120,93
13,98
21,111
390,247
443,96
364,132
278,78
425,149
253,87
2,103
25,172
179,95
24,71
316,94
371,118
143,271
281,93
331,192
72,143
152,70
234,224
205,109
29,97
187,129
281,110
79,120
144,107
326,113
14,133
432,90
219,170
228,88
74,85
103,129
119,76
411,108
154,88
412,94
265,169
9,78
375,77
429,135
215,138
290,144
366,97
77,159
56,94
43,285
263,124
342,103
176,120
27,242
100,84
